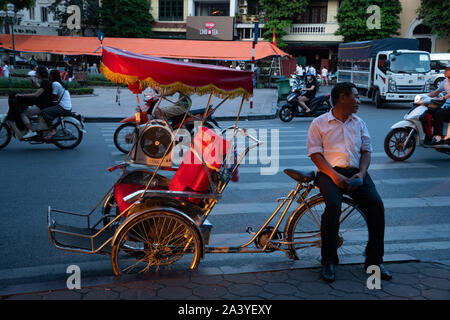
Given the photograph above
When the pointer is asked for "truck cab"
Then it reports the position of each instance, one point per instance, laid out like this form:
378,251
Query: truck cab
399,75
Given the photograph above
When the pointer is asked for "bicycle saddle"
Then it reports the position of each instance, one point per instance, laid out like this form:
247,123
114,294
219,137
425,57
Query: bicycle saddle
300,176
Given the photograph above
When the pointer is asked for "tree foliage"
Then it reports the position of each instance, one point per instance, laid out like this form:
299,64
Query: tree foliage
353,19
126,18
436,15
90,13
279,14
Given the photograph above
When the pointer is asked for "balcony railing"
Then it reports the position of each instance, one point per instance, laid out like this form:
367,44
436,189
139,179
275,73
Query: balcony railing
320,28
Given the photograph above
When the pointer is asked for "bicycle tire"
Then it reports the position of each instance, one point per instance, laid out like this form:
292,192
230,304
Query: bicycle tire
353,231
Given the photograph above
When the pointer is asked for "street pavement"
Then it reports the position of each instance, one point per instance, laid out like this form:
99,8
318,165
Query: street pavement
413,278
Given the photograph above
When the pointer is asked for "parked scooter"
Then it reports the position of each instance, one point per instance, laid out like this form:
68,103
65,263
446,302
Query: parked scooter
401,141
318,106
69,131
125,135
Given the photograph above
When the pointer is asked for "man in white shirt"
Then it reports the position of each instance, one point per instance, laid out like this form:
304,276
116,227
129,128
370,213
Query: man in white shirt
339,145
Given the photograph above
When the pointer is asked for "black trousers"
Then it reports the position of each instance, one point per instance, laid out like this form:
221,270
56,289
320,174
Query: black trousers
17,105
369,202
441,116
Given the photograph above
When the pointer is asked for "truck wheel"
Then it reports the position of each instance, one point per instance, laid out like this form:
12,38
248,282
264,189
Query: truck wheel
379,102
437,82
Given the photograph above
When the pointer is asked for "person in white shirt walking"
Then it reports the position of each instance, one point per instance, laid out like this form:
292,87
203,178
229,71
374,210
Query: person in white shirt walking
339,144
325,75
5,69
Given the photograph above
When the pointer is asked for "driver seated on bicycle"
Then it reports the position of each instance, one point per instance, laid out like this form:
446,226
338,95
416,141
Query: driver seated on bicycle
339,145
175,112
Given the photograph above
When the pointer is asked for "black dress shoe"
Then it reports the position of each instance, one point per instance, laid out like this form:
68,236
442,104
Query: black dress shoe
328,272
385,275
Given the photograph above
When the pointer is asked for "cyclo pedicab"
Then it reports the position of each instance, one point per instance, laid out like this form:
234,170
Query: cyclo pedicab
155,214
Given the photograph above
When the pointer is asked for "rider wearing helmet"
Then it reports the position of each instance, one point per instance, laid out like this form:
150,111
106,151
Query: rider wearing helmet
310,91
442,114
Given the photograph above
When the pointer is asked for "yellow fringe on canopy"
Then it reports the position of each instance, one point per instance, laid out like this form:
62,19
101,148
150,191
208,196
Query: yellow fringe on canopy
173,87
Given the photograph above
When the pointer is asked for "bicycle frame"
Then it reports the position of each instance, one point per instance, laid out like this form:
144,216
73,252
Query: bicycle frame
286,202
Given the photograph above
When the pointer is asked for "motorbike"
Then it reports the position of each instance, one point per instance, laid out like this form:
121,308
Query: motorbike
69,131
126,134
405,135
318,105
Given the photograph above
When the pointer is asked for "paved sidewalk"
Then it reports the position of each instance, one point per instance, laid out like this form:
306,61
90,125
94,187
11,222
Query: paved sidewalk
103,105
411,280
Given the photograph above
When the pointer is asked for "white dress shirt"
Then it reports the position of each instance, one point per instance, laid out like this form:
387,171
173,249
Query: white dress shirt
340,143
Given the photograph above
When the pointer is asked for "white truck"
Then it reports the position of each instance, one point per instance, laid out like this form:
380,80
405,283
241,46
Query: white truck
385,70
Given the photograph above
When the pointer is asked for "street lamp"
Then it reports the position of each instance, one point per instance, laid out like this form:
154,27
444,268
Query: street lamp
11,17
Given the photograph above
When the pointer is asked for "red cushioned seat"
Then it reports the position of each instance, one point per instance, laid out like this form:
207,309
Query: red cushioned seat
191,174
121,190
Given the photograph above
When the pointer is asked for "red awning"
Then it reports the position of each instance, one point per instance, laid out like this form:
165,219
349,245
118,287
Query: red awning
137,70
165,48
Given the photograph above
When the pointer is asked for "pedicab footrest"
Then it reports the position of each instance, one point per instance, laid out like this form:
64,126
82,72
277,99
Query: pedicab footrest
82,239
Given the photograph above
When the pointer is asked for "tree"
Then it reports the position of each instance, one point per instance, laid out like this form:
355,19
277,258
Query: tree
89,9
359,20
126,18
18,4
436,15
279,14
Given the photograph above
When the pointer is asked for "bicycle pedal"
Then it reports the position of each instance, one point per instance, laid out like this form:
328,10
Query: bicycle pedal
250,230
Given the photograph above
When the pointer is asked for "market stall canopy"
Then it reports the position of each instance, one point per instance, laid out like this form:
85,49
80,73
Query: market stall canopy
165,48
140,71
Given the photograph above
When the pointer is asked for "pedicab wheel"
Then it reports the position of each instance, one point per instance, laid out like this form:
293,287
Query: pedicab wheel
303,230
68,137
5,135
394,144
125,137
286,113
156,240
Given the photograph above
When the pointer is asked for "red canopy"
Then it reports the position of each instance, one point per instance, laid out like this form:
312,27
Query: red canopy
134,69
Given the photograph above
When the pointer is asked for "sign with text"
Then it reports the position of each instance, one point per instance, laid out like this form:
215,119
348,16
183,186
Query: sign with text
209,28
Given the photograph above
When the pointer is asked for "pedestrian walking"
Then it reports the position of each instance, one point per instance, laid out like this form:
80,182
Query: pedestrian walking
5,69
325,75
339,144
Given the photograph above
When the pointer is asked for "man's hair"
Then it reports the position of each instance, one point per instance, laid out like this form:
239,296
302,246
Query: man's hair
343,87
42,71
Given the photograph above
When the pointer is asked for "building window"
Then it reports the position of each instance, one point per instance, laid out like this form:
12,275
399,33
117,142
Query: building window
316,13
32,14
44,14
212,9
171,10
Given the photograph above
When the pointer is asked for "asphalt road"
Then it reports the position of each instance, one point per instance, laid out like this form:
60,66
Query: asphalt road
416,195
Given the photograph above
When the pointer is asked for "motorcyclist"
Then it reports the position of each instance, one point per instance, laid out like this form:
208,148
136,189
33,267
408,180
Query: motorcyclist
23,106
175,112
310,91
442,114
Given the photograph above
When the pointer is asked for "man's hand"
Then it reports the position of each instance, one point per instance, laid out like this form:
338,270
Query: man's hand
341,181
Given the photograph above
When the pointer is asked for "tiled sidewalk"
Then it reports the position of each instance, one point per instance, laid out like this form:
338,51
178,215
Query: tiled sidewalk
411,280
